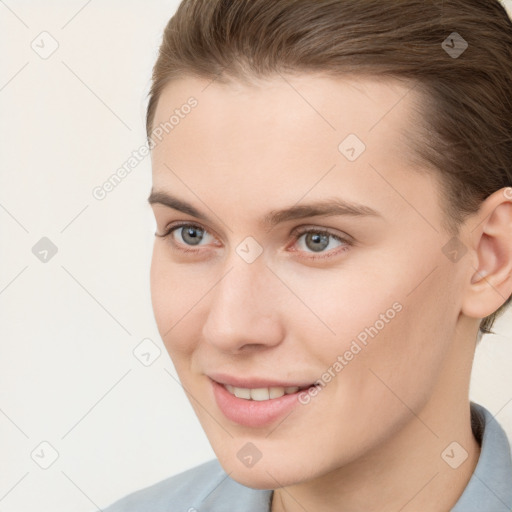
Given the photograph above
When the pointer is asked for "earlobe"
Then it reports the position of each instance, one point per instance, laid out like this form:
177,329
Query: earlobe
491,281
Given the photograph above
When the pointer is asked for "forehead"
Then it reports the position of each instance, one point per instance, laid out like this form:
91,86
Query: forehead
311,114
289,136
312,103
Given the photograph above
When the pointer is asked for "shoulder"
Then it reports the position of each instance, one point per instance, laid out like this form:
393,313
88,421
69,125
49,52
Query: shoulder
206,483
178,490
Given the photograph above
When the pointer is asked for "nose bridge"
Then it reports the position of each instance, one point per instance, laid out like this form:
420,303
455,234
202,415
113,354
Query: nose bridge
241,306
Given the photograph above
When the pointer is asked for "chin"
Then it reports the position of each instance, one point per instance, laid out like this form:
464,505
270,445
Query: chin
263,475
257,478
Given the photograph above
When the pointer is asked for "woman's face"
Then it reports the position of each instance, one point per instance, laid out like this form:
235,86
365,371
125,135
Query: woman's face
366,304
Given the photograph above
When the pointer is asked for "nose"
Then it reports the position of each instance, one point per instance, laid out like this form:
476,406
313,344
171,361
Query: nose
244,309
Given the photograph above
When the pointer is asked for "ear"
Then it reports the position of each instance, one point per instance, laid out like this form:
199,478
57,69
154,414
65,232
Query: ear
490,283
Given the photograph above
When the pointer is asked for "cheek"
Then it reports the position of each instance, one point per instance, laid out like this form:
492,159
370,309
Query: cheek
347,309
172,301
159,283
390,333
402,361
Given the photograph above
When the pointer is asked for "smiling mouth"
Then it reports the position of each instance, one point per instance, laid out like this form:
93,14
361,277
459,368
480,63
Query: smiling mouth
261,394
256,407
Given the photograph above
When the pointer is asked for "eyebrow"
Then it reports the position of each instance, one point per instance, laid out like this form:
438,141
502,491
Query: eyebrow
327,207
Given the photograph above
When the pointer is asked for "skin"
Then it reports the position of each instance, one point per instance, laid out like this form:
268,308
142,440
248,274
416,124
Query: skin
372,438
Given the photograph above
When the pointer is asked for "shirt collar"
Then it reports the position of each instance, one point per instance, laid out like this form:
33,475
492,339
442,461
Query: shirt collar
490,486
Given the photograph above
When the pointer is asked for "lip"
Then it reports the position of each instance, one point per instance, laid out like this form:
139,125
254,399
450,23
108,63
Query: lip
255,382
253,413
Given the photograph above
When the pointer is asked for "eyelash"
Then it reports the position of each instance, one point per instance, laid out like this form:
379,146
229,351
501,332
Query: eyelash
296,234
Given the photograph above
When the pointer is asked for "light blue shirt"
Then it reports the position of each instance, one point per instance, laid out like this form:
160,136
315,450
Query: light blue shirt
207,487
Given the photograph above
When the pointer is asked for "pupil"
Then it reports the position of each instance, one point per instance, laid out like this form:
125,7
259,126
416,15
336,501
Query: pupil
317,238
192,233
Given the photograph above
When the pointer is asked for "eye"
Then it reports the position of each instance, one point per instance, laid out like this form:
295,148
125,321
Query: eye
317,240
191,235
186,237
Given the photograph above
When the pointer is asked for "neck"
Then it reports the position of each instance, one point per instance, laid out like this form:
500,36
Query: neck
408,474
419,467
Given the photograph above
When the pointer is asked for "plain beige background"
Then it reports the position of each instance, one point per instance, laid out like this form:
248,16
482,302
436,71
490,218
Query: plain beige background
74,398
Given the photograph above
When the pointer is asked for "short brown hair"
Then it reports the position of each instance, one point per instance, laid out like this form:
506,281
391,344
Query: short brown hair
465,129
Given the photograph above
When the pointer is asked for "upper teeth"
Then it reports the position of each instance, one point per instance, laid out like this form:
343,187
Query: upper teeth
260,393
